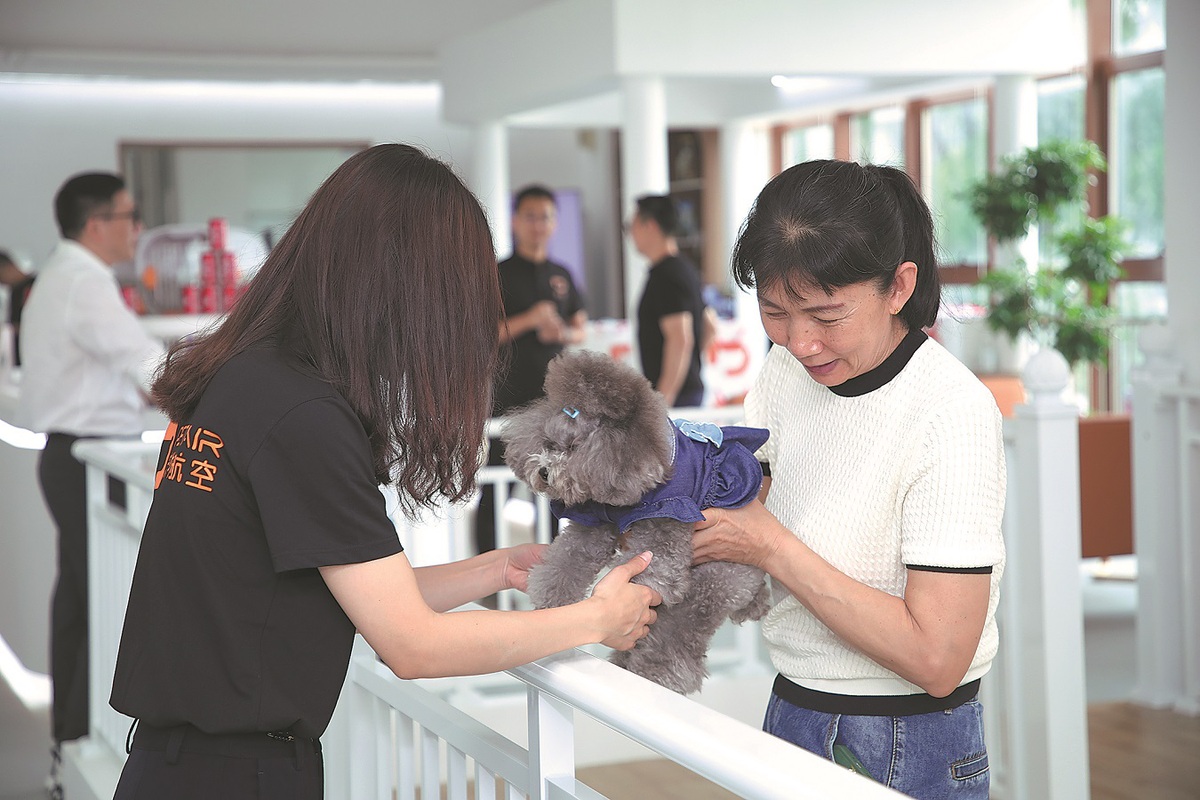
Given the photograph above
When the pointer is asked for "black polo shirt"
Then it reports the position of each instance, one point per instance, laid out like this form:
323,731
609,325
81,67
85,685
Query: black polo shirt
522,284
230,626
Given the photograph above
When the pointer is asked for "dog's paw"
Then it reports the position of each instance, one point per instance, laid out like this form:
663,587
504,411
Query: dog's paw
756,608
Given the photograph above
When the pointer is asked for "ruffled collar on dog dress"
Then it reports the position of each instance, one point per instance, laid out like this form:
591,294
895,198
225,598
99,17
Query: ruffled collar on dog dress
714,467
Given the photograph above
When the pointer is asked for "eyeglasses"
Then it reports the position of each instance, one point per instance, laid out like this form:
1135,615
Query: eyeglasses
134,215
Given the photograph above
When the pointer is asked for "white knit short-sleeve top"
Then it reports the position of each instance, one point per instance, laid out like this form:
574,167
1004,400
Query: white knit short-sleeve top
907,471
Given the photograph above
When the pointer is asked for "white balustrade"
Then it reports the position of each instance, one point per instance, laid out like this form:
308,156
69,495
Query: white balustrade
1034,703
1166,481
391,737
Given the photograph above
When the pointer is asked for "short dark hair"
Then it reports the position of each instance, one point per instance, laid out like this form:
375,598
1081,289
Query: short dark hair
837,223
536,191
660,209
82,197
390,236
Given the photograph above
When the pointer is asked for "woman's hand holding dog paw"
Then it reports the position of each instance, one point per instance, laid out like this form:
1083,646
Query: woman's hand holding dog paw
747,535
628,608
517,563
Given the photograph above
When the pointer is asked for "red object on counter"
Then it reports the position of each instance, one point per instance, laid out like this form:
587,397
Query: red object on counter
218,233
208,299
190,299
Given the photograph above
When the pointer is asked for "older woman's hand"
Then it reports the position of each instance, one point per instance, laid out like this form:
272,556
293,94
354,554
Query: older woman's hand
747,535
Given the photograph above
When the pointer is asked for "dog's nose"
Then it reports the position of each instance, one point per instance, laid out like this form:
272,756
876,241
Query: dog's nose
544,474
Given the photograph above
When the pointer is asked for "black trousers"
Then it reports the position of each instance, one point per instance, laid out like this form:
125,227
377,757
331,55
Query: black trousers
485,514
183,763
64,487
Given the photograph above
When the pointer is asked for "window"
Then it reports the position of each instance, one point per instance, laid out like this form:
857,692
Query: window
1060,113
1138,26
1136,156
877,136
955,154
806,144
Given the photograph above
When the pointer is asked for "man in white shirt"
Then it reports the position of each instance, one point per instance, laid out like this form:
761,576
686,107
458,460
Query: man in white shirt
87,365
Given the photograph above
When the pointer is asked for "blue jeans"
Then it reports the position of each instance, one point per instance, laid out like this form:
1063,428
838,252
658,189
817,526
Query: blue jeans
927,756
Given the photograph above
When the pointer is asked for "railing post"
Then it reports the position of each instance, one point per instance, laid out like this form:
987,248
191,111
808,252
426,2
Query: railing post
1045,635
1156,526
551,742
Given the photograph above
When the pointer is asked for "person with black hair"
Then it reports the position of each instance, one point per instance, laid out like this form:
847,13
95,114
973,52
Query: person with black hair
672,318
881,526
86,368
543,313
362,353
19,285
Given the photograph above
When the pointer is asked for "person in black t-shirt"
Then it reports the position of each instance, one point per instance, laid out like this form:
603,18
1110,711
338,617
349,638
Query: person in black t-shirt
543,312
673,322
268,544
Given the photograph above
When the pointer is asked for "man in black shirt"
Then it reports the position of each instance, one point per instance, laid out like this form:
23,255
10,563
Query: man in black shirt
673,323
543,312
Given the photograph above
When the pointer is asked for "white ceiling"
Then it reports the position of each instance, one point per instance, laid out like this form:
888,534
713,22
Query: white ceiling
299,39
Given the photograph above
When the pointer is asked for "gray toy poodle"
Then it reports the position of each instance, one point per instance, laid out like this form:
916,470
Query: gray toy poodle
601,446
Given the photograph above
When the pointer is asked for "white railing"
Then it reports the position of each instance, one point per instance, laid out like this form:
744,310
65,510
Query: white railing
390,737
1166,459
393,738
1034,700
369,749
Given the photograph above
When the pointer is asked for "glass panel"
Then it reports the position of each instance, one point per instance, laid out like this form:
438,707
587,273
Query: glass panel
1136,158
877,136
806,144
1060,115
955,155
1136,303
1138,26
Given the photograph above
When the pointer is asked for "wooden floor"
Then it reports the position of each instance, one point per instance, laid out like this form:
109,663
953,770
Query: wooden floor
1136,753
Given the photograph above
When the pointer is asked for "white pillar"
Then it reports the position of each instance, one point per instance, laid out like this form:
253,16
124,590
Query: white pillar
1014,129
1047,705
1156,524
745,153
1181,180
491,182
643,166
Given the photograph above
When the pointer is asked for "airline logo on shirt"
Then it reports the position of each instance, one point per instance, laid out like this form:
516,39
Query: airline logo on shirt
560,287
191,457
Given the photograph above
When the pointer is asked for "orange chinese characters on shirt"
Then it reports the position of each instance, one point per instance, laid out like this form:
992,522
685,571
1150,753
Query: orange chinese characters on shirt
192,457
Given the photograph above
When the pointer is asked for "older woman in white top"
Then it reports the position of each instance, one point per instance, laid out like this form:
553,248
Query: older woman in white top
880,524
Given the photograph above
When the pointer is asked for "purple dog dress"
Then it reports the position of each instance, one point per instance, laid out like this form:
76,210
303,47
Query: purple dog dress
714,467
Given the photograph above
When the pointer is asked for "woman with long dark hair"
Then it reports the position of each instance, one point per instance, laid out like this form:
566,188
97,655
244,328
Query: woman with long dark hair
361,354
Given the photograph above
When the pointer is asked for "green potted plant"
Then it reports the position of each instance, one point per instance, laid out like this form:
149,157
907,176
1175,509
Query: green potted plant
1061,304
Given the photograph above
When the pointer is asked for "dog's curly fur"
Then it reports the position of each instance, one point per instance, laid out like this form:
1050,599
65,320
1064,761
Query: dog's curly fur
615,450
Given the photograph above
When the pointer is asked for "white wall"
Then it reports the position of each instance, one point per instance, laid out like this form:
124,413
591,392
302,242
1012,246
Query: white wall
50,131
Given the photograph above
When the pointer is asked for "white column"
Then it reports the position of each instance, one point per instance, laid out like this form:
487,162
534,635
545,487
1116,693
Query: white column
491,182
1047,705
1181,181
745,152
1156,524
1015,128
643,165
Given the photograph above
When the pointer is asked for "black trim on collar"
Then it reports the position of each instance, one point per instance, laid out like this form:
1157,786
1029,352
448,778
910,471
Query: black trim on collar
890,368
